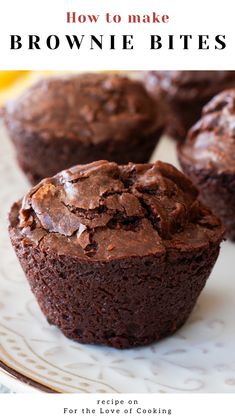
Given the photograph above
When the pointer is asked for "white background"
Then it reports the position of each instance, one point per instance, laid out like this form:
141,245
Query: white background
44,18
185,406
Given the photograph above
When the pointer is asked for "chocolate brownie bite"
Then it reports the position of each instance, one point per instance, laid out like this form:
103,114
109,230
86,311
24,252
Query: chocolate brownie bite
185,93
63,121
208,157
115,255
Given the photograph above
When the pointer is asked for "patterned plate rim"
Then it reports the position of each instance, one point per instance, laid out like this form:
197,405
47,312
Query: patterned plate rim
7,369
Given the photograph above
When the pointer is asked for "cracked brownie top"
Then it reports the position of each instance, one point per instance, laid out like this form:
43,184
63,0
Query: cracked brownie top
190,85
90,108
103,211
211,141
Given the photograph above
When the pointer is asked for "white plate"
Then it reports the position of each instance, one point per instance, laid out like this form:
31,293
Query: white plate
200,357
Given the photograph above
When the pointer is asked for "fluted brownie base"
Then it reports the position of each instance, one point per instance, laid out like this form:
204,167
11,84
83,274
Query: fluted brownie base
122,303
39,158
217,191
182,116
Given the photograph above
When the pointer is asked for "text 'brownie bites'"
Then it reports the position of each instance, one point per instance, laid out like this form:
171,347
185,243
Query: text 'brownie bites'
185,93
116,255
63,121
208,157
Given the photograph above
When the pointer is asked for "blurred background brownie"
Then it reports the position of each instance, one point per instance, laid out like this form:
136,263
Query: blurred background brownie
63,121
208,157
116,255
185,93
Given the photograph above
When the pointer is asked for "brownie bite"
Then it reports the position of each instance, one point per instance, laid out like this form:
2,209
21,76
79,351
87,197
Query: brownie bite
115,255
208,157
63,121
185,93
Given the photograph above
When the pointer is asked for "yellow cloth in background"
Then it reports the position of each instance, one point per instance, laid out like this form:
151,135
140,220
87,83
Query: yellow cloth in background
7,78
12,83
